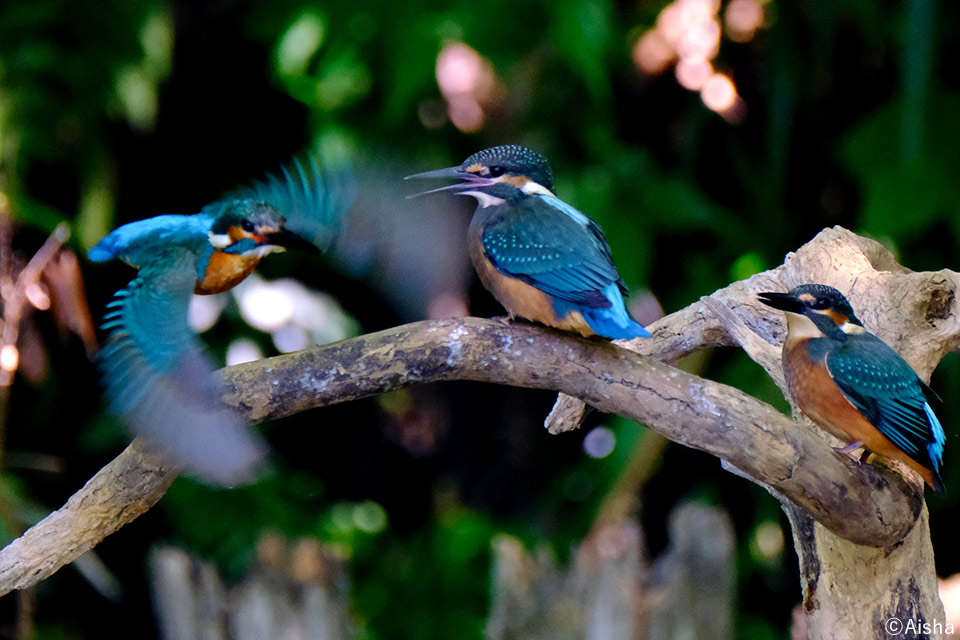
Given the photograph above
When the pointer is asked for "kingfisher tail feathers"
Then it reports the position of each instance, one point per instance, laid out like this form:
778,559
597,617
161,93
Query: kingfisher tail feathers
935,449
613,321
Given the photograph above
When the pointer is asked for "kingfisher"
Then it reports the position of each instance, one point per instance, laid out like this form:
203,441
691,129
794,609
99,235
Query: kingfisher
542,259
853,385
156,373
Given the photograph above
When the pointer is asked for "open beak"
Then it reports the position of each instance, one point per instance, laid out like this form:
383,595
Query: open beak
782,301
285,238
467,180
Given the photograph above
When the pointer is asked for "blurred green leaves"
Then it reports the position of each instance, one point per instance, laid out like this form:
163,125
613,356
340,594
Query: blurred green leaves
688,202
584,34
902,197
326,81
63,79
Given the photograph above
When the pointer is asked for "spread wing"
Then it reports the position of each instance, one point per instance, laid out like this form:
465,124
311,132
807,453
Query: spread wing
550,245
883,387
161,381
311,200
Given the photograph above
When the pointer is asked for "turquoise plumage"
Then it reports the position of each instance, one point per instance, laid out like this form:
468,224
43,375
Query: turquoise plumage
852,384
156,373
540,257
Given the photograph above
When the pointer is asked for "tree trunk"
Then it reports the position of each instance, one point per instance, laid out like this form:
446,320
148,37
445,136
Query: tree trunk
852,591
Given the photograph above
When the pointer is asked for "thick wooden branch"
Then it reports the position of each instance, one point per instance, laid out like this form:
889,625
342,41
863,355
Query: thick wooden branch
120,492
858,502
862,503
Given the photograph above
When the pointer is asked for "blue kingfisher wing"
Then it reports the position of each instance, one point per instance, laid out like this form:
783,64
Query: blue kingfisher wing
160,380
550,245
311,200
887,391
139,242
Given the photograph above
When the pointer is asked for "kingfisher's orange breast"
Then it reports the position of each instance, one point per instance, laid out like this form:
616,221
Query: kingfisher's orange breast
518,297
225,271
820,399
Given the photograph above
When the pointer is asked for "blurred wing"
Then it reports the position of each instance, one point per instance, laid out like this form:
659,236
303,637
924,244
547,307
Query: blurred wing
140,242
312,201
159,379
550,245
883,387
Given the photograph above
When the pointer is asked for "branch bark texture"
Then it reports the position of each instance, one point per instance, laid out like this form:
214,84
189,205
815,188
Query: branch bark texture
861,506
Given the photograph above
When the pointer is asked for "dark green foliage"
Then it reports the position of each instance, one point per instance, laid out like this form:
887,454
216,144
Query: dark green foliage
113,111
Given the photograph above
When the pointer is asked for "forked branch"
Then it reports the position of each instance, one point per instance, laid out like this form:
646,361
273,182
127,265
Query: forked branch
915,312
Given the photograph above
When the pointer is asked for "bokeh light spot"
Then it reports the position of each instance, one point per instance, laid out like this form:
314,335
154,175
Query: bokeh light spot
742,19
204,311
693,73
652,53
264,307
243,350
467,82
290,338
768,541
299,43
370,517
9,358
599,443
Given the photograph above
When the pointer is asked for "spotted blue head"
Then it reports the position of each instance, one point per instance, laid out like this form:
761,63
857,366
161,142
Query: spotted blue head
497,172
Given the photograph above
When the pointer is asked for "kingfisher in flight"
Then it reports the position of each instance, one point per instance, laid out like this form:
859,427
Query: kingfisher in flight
542,259
853,385
156,373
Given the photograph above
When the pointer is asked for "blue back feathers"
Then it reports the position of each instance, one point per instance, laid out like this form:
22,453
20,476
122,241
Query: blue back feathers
887,391
552,246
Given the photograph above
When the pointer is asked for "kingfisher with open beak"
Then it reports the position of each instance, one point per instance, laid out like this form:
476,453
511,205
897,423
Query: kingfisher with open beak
156,373
853,385
542,259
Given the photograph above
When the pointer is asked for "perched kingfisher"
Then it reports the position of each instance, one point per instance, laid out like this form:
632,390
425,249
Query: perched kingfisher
156,373
853,385
542,259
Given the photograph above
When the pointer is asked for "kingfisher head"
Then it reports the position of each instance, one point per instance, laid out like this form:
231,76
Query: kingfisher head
251,228
497,174
815,310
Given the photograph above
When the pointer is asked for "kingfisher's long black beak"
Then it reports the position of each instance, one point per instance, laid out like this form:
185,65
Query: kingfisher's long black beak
782,301
283,237
466,179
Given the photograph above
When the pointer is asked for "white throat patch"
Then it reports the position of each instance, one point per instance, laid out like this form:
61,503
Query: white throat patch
852,329
800,327
531,187
484,199
219,240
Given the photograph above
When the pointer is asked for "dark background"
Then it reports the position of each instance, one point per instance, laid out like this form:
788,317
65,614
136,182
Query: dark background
114,111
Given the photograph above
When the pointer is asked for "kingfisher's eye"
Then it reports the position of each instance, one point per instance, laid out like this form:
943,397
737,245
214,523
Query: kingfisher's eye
496,171
820,303
248,226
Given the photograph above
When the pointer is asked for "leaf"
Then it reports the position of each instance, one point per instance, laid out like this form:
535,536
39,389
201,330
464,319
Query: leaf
904,198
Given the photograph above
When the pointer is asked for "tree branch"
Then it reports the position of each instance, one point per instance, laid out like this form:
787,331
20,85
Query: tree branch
866,504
